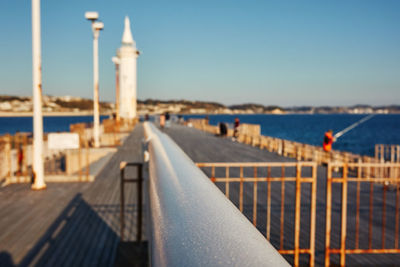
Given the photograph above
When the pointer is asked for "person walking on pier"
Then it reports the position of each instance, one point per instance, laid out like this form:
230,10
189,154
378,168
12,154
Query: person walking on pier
328,140
20,159
236,128
223,131
167,119
162,121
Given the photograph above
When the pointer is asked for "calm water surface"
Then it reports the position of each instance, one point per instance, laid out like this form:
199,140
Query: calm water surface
381,129
50,124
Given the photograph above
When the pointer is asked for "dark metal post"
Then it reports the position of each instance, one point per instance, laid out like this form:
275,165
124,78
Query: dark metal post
139,185
122,202
139,202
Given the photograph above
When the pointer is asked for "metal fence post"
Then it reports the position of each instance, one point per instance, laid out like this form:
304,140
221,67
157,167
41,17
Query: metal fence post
328,214
140,202
122,202
139,188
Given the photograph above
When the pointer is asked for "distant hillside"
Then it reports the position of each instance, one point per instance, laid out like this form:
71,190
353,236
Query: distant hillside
4,98
51,104
154,106
257,108
193,104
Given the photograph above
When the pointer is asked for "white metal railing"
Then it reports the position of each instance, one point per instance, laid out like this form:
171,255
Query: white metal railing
192,222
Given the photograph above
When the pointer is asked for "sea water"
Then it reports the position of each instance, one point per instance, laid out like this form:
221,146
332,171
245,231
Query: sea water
50,124
310,129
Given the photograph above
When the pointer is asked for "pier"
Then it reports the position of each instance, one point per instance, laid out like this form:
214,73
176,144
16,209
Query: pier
78,224
176,183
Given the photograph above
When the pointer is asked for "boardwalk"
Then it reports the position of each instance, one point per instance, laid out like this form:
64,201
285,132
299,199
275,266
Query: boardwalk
77,224
203,147
68,224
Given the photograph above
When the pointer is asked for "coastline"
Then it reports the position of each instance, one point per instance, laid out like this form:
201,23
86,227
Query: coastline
5,114
52,114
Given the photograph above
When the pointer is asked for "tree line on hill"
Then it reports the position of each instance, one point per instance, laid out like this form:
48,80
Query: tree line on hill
87,104
259,108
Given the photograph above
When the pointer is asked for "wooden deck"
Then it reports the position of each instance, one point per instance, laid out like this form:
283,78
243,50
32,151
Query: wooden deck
204,147
77,224
68,224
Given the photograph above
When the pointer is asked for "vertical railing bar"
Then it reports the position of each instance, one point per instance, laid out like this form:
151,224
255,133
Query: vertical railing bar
80,167
241,190
344,218
392,160
382,153
269,204
25,155
358,205
227,182
398,154
396,168
386,153
313,214
53,168
384,216
328,214
282,206
213,174
297,215
392,155
139,202
396,238
122,202
17,147
255,197
87,161
9,147
371,200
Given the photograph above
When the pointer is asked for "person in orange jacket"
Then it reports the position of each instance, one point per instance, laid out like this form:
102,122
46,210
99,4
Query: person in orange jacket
328,140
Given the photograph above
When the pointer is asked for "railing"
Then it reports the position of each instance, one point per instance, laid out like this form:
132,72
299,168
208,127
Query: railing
16,158
286,148
139,193
16,152
384,153
112,131
287,181
16,155
369,218
192,222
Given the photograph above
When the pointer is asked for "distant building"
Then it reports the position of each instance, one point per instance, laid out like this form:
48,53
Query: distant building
6,106
277,111
127,56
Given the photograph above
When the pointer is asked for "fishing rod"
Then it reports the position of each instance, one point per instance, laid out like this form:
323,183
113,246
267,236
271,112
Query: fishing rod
342,132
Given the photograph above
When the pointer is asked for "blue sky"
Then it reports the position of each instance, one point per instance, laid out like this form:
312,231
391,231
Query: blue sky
287,53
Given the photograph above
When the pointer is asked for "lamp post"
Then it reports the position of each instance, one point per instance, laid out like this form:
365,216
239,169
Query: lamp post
97,26
116,61
38,166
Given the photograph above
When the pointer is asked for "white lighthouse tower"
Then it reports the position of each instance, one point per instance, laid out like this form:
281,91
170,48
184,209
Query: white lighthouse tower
127,56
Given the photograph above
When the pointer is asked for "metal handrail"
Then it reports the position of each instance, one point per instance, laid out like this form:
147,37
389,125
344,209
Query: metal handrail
192,222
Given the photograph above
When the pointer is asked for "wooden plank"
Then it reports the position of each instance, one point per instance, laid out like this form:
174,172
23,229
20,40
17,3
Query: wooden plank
35,228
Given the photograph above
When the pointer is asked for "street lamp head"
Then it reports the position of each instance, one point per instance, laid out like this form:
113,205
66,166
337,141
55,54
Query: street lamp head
115,60
91,15
98,25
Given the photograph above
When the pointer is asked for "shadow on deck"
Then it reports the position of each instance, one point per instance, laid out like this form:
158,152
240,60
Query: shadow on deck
80,237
